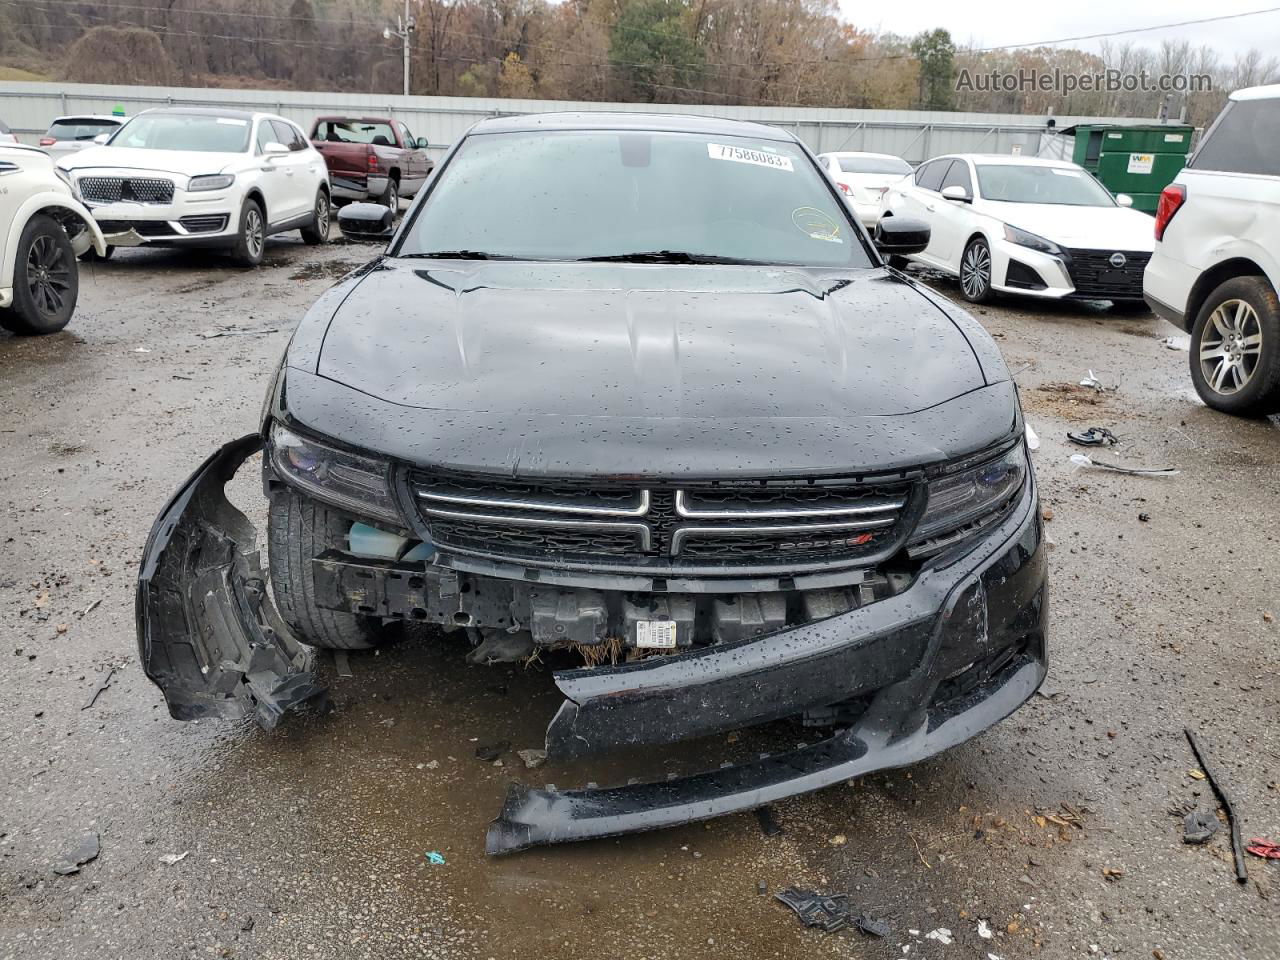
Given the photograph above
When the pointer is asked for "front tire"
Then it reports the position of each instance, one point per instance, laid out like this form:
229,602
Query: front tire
975,272
251,242
318,230
46,280
299,529
1235,348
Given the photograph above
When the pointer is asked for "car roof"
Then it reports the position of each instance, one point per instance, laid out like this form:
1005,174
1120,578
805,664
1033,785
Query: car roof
1269,92
655,122
861,153
1009,159
210,112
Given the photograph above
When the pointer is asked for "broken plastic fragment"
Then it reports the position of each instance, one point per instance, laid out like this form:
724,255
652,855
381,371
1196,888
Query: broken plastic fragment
942,935
1199,826
1083,460
169,859
435,857
87,850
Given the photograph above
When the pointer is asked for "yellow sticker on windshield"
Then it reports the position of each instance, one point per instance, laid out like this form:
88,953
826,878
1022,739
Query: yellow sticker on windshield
816,224
719,151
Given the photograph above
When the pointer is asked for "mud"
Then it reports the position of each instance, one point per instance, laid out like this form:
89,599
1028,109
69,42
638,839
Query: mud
1060,830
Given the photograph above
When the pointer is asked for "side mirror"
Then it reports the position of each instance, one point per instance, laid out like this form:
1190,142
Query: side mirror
102,138
957,193
274,149
421,143
366,222
899,236
1124,200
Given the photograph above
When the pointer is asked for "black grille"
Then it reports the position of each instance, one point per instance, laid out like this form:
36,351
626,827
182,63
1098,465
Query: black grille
1094,275
204,223
761,524
144,228
137,189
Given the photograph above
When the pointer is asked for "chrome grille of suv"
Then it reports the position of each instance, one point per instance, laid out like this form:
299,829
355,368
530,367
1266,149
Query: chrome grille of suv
137,189
757,524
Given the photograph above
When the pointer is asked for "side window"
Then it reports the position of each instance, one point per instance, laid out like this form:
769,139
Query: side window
286,134
958,176
1243,140
407,136
264,137
929,177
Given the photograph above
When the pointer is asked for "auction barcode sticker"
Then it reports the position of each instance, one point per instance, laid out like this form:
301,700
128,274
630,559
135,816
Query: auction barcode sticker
720,151
656,634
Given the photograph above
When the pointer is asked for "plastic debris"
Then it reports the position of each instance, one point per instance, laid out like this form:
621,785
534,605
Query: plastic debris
984,930
1242,871
815,910
488,752
1264,848
1033,439
435,857
942,935
769,825
532,758
1093,437
1082,460
99,687
1176,343
169,859
342,663
1199,826
86,851
1092,381
872,926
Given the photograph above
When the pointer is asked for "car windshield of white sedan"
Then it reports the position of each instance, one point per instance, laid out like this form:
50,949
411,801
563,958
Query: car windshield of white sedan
873,165
1016,183
184,131
633,195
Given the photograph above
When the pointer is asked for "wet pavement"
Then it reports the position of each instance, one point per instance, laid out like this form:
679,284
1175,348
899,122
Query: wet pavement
1058,832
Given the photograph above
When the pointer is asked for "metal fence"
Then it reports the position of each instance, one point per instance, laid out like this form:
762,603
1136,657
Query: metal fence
913,135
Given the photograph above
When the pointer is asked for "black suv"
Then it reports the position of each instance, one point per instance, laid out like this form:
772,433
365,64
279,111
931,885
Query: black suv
635,392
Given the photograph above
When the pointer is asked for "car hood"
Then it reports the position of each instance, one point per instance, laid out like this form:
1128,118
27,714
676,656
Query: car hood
182,163
1089,228
607,340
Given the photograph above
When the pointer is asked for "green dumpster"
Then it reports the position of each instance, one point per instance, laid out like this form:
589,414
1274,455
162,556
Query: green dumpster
1137,160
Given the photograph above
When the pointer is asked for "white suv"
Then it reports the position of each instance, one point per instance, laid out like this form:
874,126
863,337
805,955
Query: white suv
1216,268
205,178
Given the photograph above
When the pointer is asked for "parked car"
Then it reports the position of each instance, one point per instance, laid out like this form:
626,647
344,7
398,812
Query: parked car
43,228
1216,268
68,135
630,388
197,177
6,135
864,179
1038,228
371,158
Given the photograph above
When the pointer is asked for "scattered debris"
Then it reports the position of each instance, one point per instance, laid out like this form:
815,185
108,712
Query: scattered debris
141,350
1046,513
90,608
1144,518
769,825
1242,871
1264,848
984,930
1081,460
1093,437
236,332
248,925
1112,873
839,840
815,910
342,663
1195,774
492,751
1092,381
1199,826
86,851
1176,343
435,857
532,758
942,935
872,926
169,859
762,888
99,688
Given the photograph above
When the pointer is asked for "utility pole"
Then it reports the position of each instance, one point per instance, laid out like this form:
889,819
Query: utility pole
403,29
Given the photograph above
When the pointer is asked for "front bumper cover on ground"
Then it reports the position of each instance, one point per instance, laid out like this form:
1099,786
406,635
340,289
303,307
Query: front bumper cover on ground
952,654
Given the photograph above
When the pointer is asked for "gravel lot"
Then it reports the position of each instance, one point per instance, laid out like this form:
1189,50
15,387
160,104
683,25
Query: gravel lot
1059,831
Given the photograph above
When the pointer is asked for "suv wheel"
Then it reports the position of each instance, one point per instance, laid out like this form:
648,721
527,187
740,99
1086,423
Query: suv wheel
391,196
975,272
251,244
46,280
1235,348
318,230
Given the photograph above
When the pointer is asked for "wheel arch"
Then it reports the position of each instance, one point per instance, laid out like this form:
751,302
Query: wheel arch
1213,278
75,219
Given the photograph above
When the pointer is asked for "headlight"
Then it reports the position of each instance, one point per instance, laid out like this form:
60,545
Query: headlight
970,495
1024,239
66,178
211,181
349,480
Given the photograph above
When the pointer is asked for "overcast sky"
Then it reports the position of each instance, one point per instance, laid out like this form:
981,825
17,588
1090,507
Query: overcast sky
998,22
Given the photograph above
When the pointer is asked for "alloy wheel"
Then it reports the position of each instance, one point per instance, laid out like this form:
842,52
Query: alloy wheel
393,200
975,270
253,237
1230,347
322,215
48,275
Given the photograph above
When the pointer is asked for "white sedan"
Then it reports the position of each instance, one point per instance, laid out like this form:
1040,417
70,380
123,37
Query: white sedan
863,178
1039,228
42,231
199,177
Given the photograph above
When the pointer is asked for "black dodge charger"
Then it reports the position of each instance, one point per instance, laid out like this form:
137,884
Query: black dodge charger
636,390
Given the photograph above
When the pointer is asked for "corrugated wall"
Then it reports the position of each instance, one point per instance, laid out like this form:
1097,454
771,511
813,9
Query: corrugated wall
28,109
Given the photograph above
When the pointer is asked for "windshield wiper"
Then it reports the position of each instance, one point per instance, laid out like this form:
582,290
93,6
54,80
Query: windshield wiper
457,255
666,256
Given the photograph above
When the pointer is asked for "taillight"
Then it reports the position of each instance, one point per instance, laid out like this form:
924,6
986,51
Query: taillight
373,159
48,141
1172,198
844,188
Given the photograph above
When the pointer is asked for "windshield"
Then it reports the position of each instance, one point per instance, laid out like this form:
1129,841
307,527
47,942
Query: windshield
184,131
77,128
873,165
355,131
573,195
1013,183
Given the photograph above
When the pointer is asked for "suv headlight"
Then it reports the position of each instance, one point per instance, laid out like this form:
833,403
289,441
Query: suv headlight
66,178
971,494
211,181
348,480
1025,239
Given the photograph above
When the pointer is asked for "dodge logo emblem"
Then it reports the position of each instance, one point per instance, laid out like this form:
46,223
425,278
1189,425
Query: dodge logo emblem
1118,260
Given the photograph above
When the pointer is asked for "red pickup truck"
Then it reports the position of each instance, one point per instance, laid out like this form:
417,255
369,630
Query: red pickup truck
372,158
